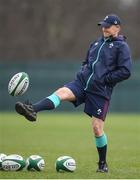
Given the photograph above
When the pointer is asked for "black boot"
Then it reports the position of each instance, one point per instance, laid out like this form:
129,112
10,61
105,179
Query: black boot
102,167
26,110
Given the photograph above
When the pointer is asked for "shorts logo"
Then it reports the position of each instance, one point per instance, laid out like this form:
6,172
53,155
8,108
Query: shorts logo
99,111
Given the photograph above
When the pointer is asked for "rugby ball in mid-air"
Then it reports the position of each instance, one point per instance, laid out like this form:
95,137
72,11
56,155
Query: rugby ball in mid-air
2,156
65,163
18,84
35,163
13,162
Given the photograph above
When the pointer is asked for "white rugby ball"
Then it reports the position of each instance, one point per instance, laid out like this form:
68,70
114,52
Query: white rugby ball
13,162
2,156
18,84
65,163
35,163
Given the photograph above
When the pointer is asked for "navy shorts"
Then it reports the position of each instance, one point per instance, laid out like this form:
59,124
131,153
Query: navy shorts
95,105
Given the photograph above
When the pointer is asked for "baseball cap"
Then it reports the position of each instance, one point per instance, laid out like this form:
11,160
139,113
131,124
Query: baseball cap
110,20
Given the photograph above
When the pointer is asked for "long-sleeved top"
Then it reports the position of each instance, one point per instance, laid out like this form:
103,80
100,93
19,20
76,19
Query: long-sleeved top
108,62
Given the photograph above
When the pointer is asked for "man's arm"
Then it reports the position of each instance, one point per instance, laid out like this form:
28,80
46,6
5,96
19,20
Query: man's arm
123,69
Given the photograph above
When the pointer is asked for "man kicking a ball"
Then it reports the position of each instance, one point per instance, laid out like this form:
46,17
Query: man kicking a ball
108,62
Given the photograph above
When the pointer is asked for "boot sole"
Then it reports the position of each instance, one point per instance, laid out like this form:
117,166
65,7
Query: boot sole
20,109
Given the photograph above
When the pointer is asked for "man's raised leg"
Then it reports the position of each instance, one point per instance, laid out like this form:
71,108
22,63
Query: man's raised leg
29,111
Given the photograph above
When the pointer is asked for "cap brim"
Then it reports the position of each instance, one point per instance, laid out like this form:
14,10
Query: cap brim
104,24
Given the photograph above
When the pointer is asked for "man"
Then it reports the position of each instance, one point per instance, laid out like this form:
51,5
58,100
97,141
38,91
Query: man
108,62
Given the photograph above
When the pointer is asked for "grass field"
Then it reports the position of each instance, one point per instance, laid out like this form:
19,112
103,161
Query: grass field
56,134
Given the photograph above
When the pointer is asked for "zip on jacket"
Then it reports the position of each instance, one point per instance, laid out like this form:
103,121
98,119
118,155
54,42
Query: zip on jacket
93,64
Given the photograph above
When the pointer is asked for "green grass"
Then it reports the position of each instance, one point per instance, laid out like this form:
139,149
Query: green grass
56,134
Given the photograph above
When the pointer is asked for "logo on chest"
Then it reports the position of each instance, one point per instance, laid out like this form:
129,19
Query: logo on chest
111,45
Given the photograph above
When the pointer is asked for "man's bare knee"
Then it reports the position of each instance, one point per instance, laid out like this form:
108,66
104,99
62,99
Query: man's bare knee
97,125
65,93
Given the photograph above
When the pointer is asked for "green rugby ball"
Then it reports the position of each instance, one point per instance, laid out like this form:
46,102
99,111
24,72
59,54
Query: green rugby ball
35,163
65,164
18,84
13,162
2,156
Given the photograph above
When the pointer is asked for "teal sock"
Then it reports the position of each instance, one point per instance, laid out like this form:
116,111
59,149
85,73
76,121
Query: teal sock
101,140
101,145
48,103
55,99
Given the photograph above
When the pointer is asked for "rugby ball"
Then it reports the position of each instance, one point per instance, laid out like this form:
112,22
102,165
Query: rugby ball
13,162
65,164
18,84
2,156
35,163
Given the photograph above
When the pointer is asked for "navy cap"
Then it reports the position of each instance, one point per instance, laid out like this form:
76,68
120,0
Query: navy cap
110,20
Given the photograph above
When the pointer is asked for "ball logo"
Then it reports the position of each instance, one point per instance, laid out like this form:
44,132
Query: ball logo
13,82
11,167
24,87
70,164
41,165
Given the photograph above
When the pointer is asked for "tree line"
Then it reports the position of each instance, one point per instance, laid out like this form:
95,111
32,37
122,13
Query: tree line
61,29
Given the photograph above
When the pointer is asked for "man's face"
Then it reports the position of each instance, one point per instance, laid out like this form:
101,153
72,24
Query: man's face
111,31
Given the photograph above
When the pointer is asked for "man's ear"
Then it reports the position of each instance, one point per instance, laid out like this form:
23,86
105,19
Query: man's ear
118,26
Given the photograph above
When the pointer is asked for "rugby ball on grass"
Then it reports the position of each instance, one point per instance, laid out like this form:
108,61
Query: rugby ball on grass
35,163
13,162
18,84
2,156
65,164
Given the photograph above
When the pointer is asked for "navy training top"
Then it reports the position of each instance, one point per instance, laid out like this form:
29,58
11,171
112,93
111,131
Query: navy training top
108,62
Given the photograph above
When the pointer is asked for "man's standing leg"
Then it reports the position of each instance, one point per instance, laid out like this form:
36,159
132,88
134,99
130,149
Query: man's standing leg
101,143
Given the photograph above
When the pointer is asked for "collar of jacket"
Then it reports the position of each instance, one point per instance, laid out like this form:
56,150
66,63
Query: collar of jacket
111,38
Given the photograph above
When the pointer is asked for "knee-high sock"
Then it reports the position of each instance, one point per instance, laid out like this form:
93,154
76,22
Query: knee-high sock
101,144
48,103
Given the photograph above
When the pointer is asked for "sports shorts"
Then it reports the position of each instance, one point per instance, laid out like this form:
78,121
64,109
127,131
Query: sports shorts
95,105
